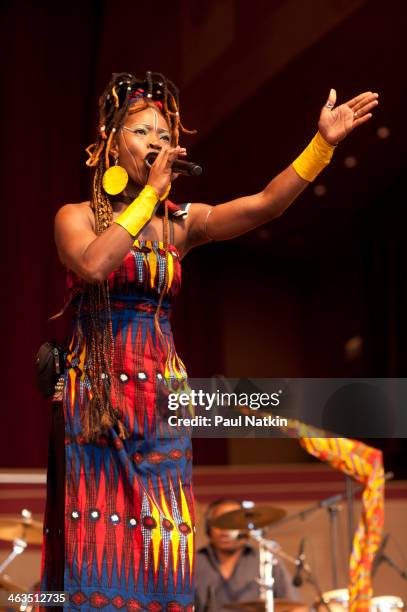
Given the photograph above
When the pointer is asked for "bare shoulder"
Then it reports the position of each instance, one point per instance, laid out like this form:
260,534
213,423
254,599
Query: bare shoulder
77,213
73,231
78,208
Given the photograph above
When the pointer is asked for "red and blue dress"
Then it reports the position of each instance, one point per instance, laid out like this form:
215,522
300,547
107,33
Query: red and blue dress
119,524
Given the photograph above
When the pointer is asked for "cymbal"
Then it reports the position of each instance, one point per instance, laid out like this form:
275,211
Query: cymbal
258,605
249,518
30,531
7,584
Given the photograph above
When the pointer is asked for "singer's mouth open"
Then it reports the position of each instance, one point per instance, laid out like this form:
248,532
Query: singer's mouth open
150,159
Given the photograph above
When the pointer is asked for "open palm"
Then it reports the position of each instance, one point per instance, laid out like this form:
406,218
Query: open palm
335,123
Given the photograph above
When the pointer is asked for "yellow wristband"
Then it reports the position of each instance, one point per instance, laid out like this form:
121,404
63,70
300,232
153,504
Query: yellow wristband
314,158
139,212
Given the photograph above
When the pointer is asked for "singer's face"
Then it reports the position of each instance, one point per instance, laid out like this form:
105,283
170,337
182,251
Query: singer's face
225,539
144,132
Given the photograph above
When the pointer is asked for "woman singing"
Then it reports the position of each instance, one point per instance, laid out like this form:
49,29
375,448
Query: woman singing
119,525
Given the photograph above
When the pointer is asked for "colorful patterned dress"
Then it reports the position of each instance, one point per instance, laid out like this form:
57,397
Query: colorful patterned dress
124,532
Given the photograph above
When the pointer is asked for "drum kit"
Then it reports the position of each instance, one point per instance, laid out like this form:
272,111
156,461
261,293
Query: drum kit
255,520
251,518
21,532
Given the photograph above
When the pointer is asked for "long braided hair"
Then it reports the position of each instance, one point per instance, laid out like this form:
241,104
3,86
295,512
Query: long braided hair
125,94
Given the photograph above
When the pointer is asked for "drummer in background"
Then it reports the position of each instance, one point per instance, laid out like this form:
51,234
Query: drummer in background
227,569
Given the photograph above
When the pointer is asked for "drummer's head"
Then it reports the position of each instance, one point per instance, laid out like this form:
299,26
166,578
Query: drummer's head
223,539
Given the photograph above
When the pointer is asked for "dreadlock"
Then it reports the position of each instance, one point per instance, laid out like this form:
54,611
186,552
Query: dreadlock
114,105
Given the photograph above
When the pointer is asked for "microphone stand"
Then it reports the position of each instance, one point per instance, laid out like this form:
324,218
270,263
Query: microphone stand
266,579
333,510
332,505
309,576
324,503
351,516
393,565
19,547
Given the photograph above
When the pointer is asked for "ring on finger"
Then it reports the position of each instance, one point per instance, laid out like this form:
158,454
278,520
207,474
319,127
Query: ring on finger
355,115
329,105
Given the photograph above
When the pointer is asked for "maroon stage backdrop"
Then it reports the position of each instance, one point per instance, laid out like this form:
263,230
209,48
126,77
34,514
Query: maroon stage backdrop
278,302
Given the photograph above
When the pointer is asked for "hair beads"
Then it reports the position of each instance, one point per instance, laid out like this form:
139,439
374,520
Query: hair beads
124,95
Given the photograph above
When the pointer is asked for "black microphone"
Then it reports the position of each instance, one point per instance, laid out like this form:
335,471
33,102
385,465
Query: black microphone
379,557
297,579
179,166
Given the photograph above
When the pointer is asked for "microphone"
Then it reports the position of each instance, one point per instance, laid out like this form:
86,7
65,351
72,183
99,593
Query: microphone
297,579
179,166
380,557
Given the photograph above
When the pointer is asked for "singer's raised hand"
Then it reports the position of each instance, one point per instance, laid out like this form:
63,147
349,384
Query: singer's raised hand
243,214
336,122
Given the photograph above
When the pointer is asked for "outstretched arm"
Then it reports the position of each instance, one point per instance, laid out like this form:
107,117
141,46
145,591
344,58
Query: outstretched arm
239,216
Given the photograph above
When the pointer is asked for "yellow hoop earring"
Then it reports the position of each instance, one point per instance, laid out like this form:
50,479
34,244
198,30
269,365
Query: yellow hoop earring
115,179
